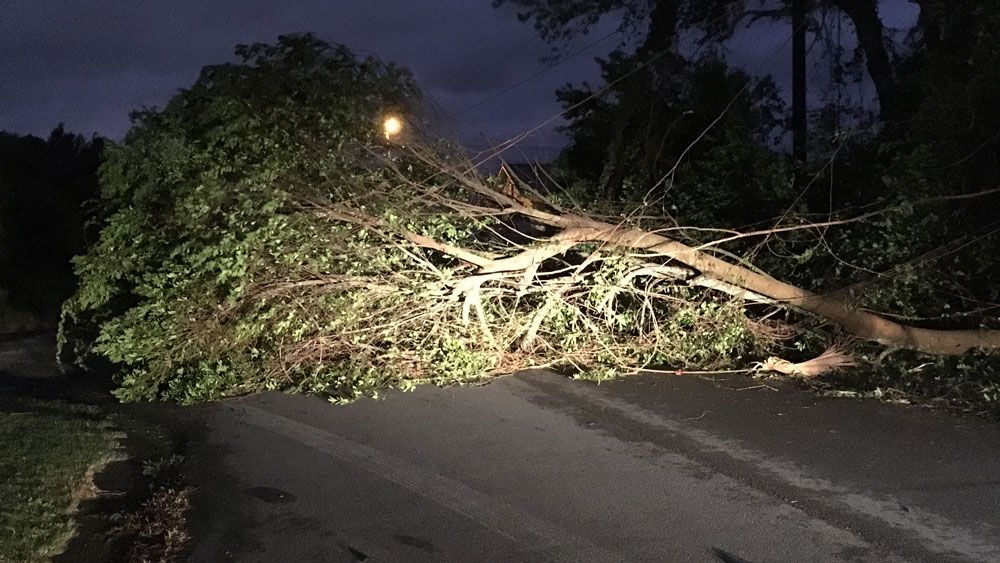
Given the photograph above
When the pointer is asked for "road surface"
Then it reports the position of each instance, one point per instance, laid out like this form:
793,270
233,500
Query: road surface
538,467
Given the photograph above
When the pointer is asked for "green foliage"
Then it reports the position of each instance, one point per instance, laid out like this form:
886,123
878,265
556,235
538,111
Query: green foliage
218,270
453,361
201,204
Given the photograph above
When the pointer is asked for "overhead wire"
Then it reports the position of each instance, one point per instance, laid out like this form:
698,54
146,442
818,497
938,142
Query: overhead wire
504,146
535,75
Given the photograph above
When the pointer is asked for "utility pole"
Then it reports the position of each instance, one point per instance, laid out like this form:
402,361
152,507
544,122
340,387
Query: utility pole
799,121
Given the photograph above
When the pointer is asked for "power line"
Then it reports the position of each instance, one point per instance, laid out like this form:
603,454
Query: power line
535,75
503,147
533,147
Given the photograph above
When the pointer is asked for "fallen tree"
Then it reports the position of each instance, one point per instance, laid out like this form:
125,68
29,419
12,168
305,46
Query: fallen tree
662,258
708,271
259,234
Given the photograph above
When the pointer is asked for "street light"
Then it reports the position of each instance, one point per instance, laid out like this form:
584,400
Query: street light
392,126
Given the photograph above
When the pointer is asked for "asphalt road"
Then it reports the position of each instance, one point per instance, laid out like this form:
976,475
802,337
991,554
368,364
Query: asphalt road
537,467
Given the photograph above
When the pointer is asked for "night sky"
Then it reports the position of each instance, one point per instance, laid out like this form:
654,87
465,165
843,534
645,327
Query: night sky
88,63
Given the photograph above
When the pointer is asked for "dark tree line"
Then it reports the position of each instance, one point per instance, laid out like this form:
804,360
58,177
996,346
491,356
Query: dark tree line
44,186
935,84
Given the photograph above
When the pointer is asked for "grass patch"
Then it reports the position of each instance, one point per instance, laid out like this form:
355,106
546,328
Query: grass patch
49,451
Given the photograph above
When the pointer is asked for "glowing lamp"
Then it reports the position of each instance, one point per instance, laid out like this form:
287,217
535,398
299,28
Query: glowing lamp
392,126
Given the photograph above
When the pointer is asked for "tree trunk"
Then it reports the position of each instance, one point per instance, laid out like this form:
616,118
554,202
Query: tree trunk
662,252
799,109
661,38
578,229
613,176
864,16
662,28
861,323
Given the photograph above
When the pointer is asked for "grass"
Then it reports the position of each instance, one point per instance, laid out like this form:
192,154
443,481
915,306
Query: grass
49,451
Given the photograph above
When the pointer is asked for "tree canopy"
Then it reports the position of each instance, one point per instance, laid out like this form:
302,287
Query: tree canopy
198,205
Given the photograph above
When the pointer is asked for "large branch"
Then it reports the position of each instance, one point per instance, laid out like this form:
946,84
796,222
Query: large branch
864,324
576,229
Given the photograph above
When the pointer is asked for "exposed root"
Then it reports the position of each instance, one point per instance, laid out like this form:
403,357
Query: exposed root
833,358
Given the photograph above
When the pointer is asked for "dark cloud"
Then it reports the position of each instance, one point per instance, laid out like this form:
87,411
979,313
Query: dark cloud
90,63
